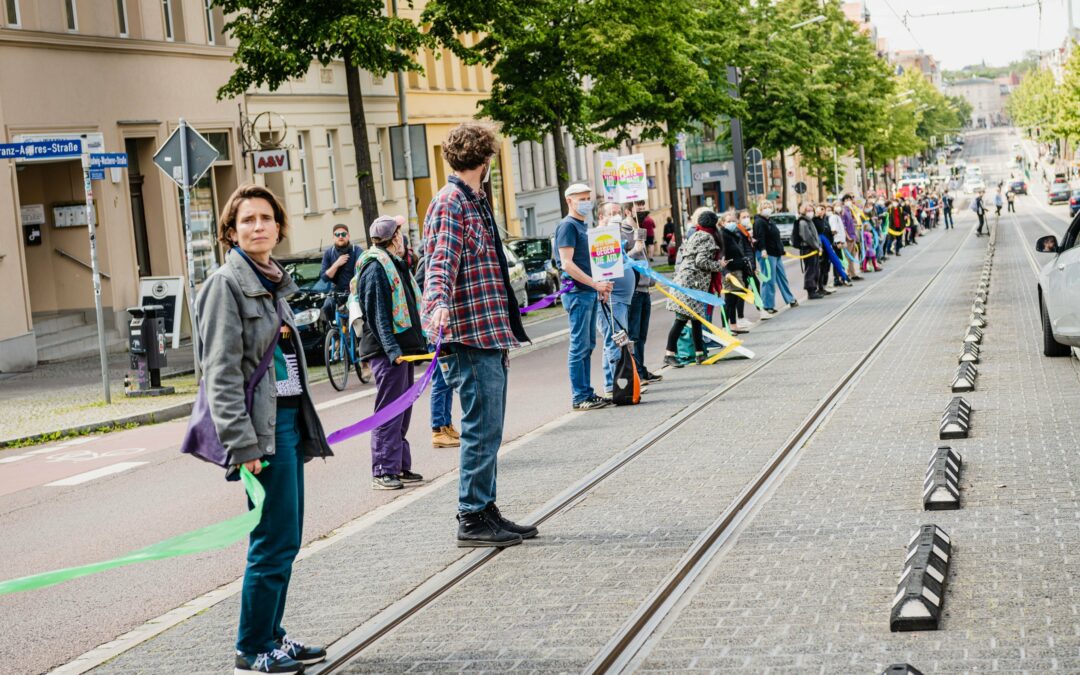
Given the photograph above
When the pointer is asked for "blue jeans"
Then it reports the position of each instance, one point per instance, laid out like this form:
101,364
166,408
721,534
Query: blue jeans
620,310
274,542
778,280
581,309
479,376
638,328
442,399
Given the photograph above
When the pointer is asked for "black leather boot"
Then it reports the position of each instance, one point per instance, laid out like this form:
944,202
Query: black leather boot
525,531
480,529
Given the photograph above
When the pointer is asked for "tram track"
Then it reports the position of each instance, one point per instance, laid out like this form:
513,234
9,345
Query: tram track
346,649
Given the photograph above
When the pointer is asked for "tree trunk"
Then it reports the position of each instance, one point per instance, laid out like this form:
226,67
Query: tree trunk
358,121
820,176
783,180
673,195
562,174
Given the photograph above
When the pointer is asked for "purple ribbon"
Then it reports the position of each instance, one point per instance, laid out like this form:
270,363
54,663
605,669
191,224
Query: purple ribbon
548,300
394,408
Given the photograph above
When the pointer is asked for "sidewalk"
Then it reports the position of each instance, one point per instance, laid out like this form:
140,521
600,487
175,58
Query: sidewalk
62,397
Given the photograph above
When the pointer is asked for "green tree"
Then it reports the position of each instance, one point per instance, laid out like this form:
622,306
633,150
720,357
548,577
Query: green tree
278,40
1034,104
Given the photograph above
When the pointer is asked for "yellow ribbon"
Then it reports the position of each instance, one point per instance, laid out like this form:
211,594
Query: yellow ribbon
800,257
419,357
895,233
746,294
732,341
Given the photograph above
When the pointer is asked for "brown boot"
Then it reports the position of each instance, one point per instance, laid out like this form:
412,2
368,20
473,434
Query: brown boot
452,432
441,439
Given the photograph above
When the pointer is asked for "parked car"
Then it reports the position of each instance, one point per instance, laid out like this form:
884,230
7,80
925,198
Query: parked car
1059,193
542,277
307,302
973,184
1059,292
518,276
1018,187
1074,203
785,222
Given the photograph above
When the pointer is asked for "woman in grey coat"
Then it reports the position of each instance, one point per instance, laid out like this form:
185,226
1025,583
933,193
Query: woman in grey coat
700,257
242,311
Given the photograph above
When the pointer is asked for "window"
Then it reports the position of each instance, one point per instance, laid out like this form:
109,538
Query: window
12,7
211,33
166,6
220,141
72,16
302,144
383,136
122,17
331,159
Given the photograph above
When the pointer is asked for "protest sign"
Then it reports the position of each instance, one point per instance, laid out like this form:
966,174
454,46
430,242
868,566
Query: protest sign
605,251
632,183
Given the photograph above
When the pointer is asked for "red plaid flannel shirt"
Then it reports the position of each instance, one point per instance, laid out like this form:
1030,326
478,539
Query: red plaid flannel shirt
463,271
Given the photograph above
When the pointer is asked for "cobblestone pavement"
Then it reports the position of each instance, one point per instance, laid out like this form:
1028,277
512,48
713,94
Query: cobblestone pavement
341,587
807,586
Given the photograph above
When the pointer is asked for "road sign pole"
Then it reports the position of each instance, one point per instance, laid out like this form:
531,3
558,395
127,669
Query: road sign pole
185,189
91,226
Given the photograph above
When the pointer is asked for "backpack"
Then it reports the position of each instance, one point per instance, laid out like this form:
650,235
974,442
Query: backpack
975,205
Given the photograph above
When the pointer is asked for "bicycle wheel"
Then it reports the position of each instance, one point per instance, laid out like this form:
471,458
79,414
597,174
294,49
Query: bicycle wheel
337,364
363,373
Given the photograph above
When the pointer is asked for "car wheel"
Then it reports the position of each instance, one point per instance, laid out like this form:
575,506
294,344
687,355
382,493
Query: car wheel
1051,347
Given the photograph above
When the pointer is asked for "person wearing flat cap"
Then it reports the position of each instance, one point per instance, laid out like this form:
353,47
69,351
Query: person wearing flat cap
388,296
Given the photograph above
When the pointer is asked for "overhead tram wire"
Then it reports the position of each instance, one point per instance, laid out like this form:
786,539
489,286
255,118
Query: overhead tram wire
903,21
980,10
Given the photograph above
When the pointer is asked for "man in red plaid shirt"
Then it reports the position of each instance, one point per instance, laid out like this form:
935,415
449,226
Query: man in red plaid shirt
468,297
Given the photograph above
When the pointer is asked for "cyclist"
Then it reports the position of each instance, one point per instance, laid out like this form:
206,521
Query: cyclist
391,330
341,254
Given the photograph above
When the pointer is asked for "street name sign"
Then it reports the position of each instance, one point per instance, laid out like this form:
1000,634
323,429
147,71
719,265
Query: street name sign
108,160
48,149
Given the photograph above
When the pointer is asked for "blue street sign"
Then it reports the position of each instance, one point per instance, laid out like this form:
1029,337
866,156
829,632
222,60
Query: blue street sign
41,149
108,160
97,174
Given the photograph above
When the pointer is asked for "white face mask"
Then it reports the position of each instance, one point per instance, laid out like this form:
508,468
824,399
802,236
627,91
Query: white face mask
767,211
745,221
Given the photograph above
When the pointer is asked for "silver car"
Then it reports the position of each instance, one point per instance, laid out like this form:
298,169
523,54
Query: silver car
785,222
518,277
1059,292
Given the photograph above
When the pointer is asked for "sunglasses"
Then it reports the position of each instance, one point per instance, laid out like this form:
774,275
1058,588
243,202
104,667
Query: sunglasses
341,235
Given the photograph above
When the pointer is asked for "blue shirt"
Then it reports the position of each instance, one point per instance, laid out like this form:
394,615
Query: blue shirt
623,287
571,232
344,274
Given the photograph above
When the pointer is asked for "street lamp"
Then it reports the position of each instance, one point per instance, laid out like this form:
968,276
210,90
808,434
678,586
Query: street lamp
817,19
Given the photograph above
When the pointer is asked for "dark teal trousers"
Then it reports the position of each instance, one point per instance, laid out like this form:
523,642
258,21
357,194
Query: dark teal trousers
274,542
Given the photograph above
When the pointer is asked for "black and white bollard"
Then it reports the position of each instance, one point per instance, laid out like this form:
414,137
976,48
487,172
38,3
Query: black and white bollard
920,594
941,489
964,380
974,334
901,669
970,353
956,420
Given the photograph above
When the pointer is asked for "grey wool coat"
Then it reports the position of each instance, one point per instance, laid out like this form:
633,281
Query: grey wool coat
237,322
697,263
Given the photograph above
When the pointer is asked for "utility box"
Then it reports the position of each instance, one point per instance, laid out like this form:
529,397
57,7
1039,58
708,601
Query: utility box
146,343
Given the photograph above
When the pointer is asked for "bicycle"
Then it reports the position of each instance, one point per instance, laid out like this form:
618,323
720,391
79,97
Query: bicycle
342,348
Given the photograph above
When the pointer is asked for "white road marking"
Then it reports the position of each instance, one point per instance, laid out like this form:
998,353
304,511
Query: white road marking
81,478
9,460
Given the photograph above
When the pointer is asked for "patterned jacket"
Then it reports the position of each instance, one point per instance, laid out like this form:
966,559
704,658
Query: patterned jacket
698,262
467,271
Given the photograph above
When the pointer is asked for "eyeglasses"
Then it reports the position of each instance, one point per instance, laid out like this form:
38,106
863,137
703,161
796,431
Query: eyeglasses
341,235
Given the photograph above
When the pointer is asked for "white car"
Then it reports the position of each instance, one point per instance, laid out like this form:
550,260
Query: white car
973,185
1059,292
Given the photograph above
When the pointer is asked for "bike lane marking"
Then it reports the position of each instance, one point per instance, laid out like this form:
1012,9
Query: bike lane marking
79,479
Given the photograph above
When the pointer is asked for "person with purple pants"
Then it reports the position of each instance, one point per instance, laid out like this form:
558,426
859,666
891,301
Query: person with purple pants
388,295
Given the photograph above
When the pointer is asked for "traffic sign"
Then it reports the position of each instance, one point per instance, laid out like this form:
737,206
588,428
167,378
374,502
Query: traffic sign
201,155
800,188
47,149
97,174
105,160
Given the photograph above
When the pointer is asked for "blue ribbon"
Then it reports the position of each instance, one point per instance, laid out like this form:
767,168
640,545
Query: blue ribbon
700,296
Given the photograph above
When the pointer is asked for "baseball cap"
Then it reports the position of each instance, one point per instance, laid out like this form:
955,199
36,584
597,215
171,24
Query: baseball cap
576,189
383,227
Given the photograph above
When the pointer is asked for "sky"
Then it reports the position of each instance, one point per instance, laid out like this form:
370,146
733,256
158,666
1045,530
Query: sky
998,37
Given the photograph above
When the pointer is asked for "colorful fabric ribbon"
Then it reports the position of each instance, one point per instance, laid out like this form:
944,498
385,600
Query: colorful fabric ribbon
700,296
218,535
732,341
800,257
549,300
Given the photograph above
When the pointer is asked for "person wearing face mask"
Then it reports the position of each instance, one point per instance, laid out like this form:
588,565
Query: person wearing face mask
700,257
810,245
581,303
769,248
738,266
388,295
622,293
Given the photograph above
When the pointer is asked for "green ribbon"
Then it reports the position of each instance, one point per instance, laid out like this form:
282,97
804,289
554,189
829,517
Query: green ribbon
757,296
218,535
766,270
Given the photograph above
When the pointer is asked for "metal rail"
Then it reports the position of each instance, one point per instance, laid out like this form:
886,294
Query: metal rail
377,627
64,254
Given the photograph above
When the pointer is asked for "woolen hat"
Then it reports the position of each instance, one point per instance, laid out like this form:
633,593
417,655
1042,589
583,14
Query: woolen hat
708,220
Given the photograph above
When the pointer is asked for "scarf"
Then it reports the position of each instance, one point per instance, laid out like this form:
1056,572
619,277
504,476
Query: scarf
269,274
402,319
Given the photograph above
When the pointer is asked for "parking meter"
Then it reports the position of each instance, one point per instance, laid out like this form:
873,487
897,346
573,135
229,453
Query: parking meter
146,344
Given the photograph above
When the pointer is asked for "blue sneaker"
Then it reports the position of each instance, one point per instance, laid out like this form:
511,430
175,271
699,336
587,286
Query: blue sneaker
301,653
275,661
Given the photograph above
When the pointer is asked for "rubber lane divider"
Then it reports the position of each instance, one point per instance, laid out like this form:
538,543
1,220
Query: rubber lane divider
619,653
347,648
941,488
920,595
901,669
964,379
974,334
970,353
